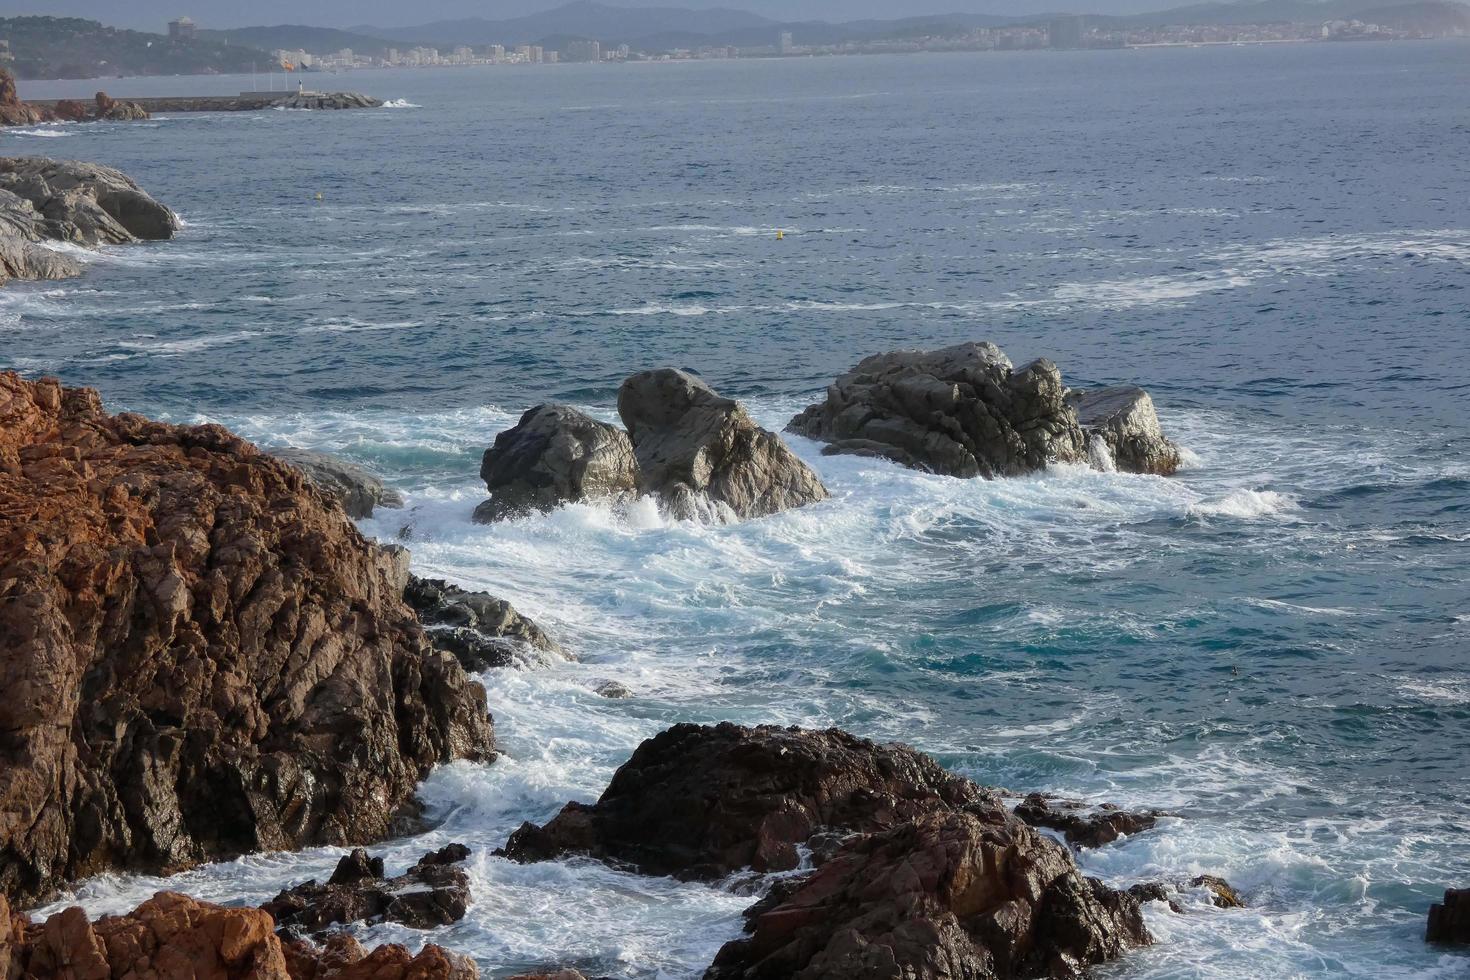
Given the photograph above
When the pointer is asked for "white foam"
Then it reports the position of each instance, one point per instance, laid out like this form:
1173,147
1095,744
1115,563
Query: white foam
1245,504
400,104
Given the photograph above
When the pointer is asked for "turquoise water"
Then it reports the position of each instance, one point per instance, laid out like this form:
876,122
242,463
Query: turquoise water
1273,240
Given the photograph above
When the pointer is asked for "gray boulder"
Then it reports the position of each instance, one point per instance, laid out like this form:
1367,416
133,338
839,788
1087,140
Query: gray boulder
699,452
555,455
22,228
1123,419
358,491
966,411
85,203
477,629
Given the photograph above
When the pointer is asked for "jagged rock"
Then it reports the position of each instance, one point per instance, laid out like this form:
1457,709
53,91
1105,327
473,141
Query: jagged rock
202,657
697,450
84,203
109,108
480,630
328,100
70,110
1449,921
965,411
14,112
22,228
700,802
947,894
174,937
1222,895
555,455
1084,825
357,490
434,892
613,689
1123,419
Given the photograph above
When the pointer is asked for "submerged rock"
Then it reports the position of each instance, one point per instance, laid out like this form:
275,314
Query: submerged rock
1084,825
1222,895
1449,921
478,629
1124,420
555,455
357,490
434,892
700,802
202,658
965,411
174,937
696,449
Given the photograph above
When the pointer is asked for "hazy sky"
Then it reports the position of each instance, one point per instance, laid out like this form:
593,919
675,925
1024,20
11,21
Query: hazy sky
152,15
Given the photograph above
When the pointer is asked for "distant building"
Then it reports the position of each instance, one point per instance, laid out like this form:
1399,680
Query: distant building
1065,32
551,57
784,43
182,29
582,51
538,54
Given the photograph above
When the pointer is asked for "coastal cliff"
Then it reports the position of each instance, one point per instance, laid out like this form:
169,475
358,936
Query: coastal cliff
204,656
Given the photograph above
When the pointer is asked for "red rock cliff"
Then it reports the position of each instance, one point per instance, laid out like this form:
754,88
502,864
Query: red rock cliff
199,653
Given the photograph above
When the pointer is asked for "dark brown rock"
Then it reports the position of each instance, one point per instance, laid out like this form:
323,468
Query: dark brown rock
1449,921
109,108
1222,895
702,455
434,892
70,110
203,656
14,112
1082,824
948,894
700,802
552,456
478,629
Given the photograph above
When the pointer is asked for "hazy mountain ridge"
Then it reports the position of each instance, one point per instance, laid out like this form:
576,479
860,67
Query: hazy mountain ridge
73,47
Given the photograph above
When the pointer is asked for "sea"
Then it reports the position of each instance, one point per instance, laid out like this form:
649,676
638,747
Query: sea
1272,645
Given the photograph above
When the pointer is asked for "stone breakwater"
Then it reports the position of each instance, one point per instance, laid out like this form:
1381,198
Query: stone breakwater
244,102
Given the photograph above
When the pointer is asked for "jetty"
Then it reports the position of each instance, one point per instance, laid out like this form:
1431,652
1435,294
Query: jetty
244,102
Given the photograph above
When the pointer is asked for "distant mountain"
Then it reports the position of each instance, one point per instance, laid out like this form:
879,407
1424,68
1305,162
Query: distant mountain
70,47
298,37
1295,11
583,18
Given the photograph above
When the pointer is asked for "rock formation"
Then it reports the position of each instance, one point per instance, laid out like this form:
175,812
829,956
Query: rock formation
1222,895
1084,825
1449,921
80,203
358,491
328,100
1124,420
696,448
478,629
555,455
203,656
700,802
14,112
947,894
434,892
174,937
70,110
106,107
965,411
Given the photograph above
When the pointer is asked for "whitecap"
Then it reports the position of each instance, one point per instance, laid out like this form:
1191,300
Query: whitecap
1245,504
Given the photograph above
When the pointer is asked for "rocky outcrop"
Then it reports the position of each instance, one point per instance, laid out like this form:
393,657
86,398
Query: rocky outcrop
965,411
70,110
1084,825
947,894
697,451
555,455
174,937
328,100
1222,894
203,656
357,490
106,107
700,802
477,628
14,112
434,892
1124,421
1449,921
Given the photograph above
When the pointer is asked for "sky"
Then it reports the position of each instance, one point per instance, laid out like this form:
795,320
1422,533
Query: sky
153,15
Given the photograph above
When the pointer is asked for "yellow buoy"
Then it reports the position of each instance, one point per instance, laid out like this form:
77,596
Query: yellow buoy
780,235
318,195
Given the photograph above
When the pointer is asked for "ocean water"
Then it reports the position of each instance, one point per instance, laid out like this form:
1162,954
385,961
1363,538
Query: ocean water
1272,645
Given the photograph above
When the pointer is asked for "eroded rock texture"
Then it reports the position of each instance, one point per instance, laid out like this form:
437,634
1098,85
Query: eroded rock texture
965,411
203,656
480,630
1085,825
434,892
555,455
358,491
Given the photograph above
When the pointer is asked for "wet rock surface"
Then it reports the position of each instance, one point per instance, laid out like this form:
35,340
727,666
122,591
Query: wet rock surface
695,448
1222,894
203,658
478,629
1449,921
702,801
555,455
434,892
965,411
358,491
1083,824
1125,421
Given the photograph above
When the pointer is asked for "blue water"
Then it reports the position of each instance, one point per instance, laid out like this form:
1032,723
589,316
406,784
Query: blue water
1273,240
